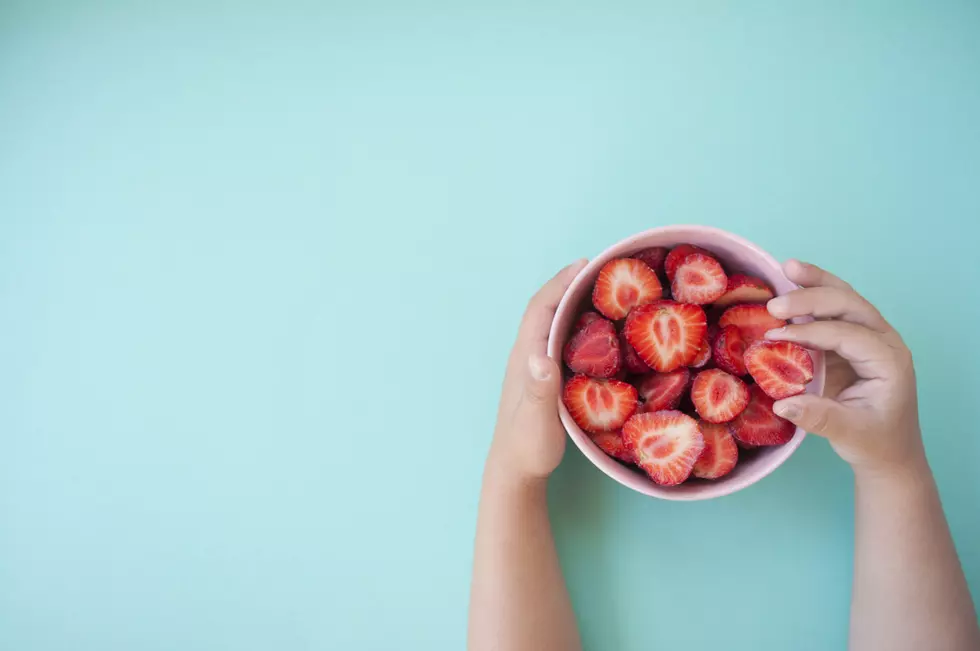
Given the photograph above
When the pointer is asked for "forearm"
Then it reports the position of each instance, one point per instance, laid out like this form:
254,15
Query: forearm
518,598
909,588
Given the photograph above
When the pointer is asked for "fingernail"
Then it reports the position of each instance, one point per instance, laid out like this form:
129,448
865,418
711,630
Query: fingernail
539,367
777,304
776,334
788,410
794,266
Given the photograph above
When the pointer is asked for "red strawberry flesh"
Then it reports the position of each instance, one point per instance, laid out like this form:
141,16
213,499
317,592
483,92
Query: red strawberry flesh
758,425
594,350
676,257
718,396
699,279
599,405
666,335
744,289
729,350
753,320
631,361
623,284
665,444
720,452
661,391
781,368
612,443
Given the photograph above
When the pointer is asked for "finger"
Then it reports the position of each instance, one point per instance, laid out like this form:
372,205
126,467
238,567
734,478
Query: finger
541,385
869,355
828,303
816,414
810,275
541,308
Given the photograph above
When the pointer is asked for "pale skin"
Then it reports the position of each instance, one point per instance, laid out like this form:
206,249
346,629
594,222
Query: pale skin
909,592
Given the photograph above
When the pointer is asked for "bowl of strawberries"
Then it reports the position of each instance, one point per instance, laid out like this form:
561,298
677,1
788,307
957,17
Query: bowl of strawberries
669,380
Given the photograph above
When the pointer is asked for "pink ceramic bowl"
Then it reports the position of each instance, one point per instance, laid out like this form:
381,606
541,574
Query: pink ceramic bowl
738,255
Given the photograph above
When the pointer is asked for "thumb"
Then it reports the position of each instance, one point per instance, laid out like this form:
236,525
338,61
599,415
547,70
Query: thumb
540,386
814,414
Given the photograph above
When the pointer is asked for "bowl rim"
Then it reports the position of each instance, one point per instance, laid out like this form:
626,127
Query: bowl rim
605,463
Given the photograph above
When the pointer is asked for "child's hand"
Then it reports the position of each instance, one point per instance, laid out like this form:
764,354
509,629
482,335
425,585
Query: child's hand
529,440
869,410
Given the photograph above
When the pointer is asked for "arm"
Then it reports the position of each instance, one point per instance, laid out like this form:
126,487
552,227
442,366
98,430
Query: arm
909,591
518,599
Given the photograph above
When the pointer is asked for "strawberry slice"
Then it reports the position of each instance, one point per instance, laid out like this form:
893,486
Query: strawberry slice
744,289
622,285
654,258
661,391
585,319
676,257
612,443
594,350
699,279
718,396
753,320
665,444
781,368
758,424
704,354
742,444
631,361
720,452
666,335
599,405
729,349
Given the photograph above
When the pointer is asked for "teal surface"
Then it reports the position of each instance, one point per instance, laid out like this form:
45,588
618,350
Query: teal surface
261,264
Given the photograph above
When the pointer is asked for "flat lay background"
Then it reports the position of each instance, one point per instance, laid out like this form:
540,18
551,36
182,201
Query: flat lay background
261,264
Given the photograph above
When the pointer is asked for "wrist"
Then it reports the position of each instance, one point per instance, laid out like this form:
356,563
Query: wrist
911,472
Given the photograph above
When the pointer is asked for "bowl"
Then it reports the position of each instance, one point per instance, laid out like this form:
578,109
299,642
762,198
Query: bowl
737,255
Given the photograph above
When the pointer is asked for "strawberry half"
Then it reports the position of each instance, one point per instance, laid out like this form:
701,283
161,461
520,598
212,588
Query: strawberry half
718,397
729,350
704,354
612,443
622,285
744,289
758,424
631,361
676,257
753,320
654,258
665,444
720,452
599,405
699,279
781,368
585,319
666,335
594,350
661,391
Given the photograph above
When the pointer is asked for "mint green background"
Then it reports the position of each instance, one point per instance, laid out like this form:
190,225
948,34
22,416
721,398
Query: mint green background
261,263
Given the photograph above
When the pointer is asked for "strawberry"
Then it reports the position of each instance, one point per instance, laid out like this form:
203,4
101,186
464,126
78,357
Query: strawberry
654,258
622,285
612,444
666,335
676,257
594,350
585,319
744,289
781,368
728,351
753,320
720,452
742,444
661,391
718,396
704,354
631,361
599,405
758,425
699,279
665,444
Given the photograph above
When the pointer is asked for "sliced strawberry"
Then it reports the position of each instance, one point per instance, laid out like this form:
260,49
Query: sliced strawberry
666,335
676,257
781,368
720,452
753,320
728,351
758,425
742,444
661,391
599,405
718,396
704,354
594,350
631,361
622,285
654,258
699,279
665,444
585,319
612,443
744,289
